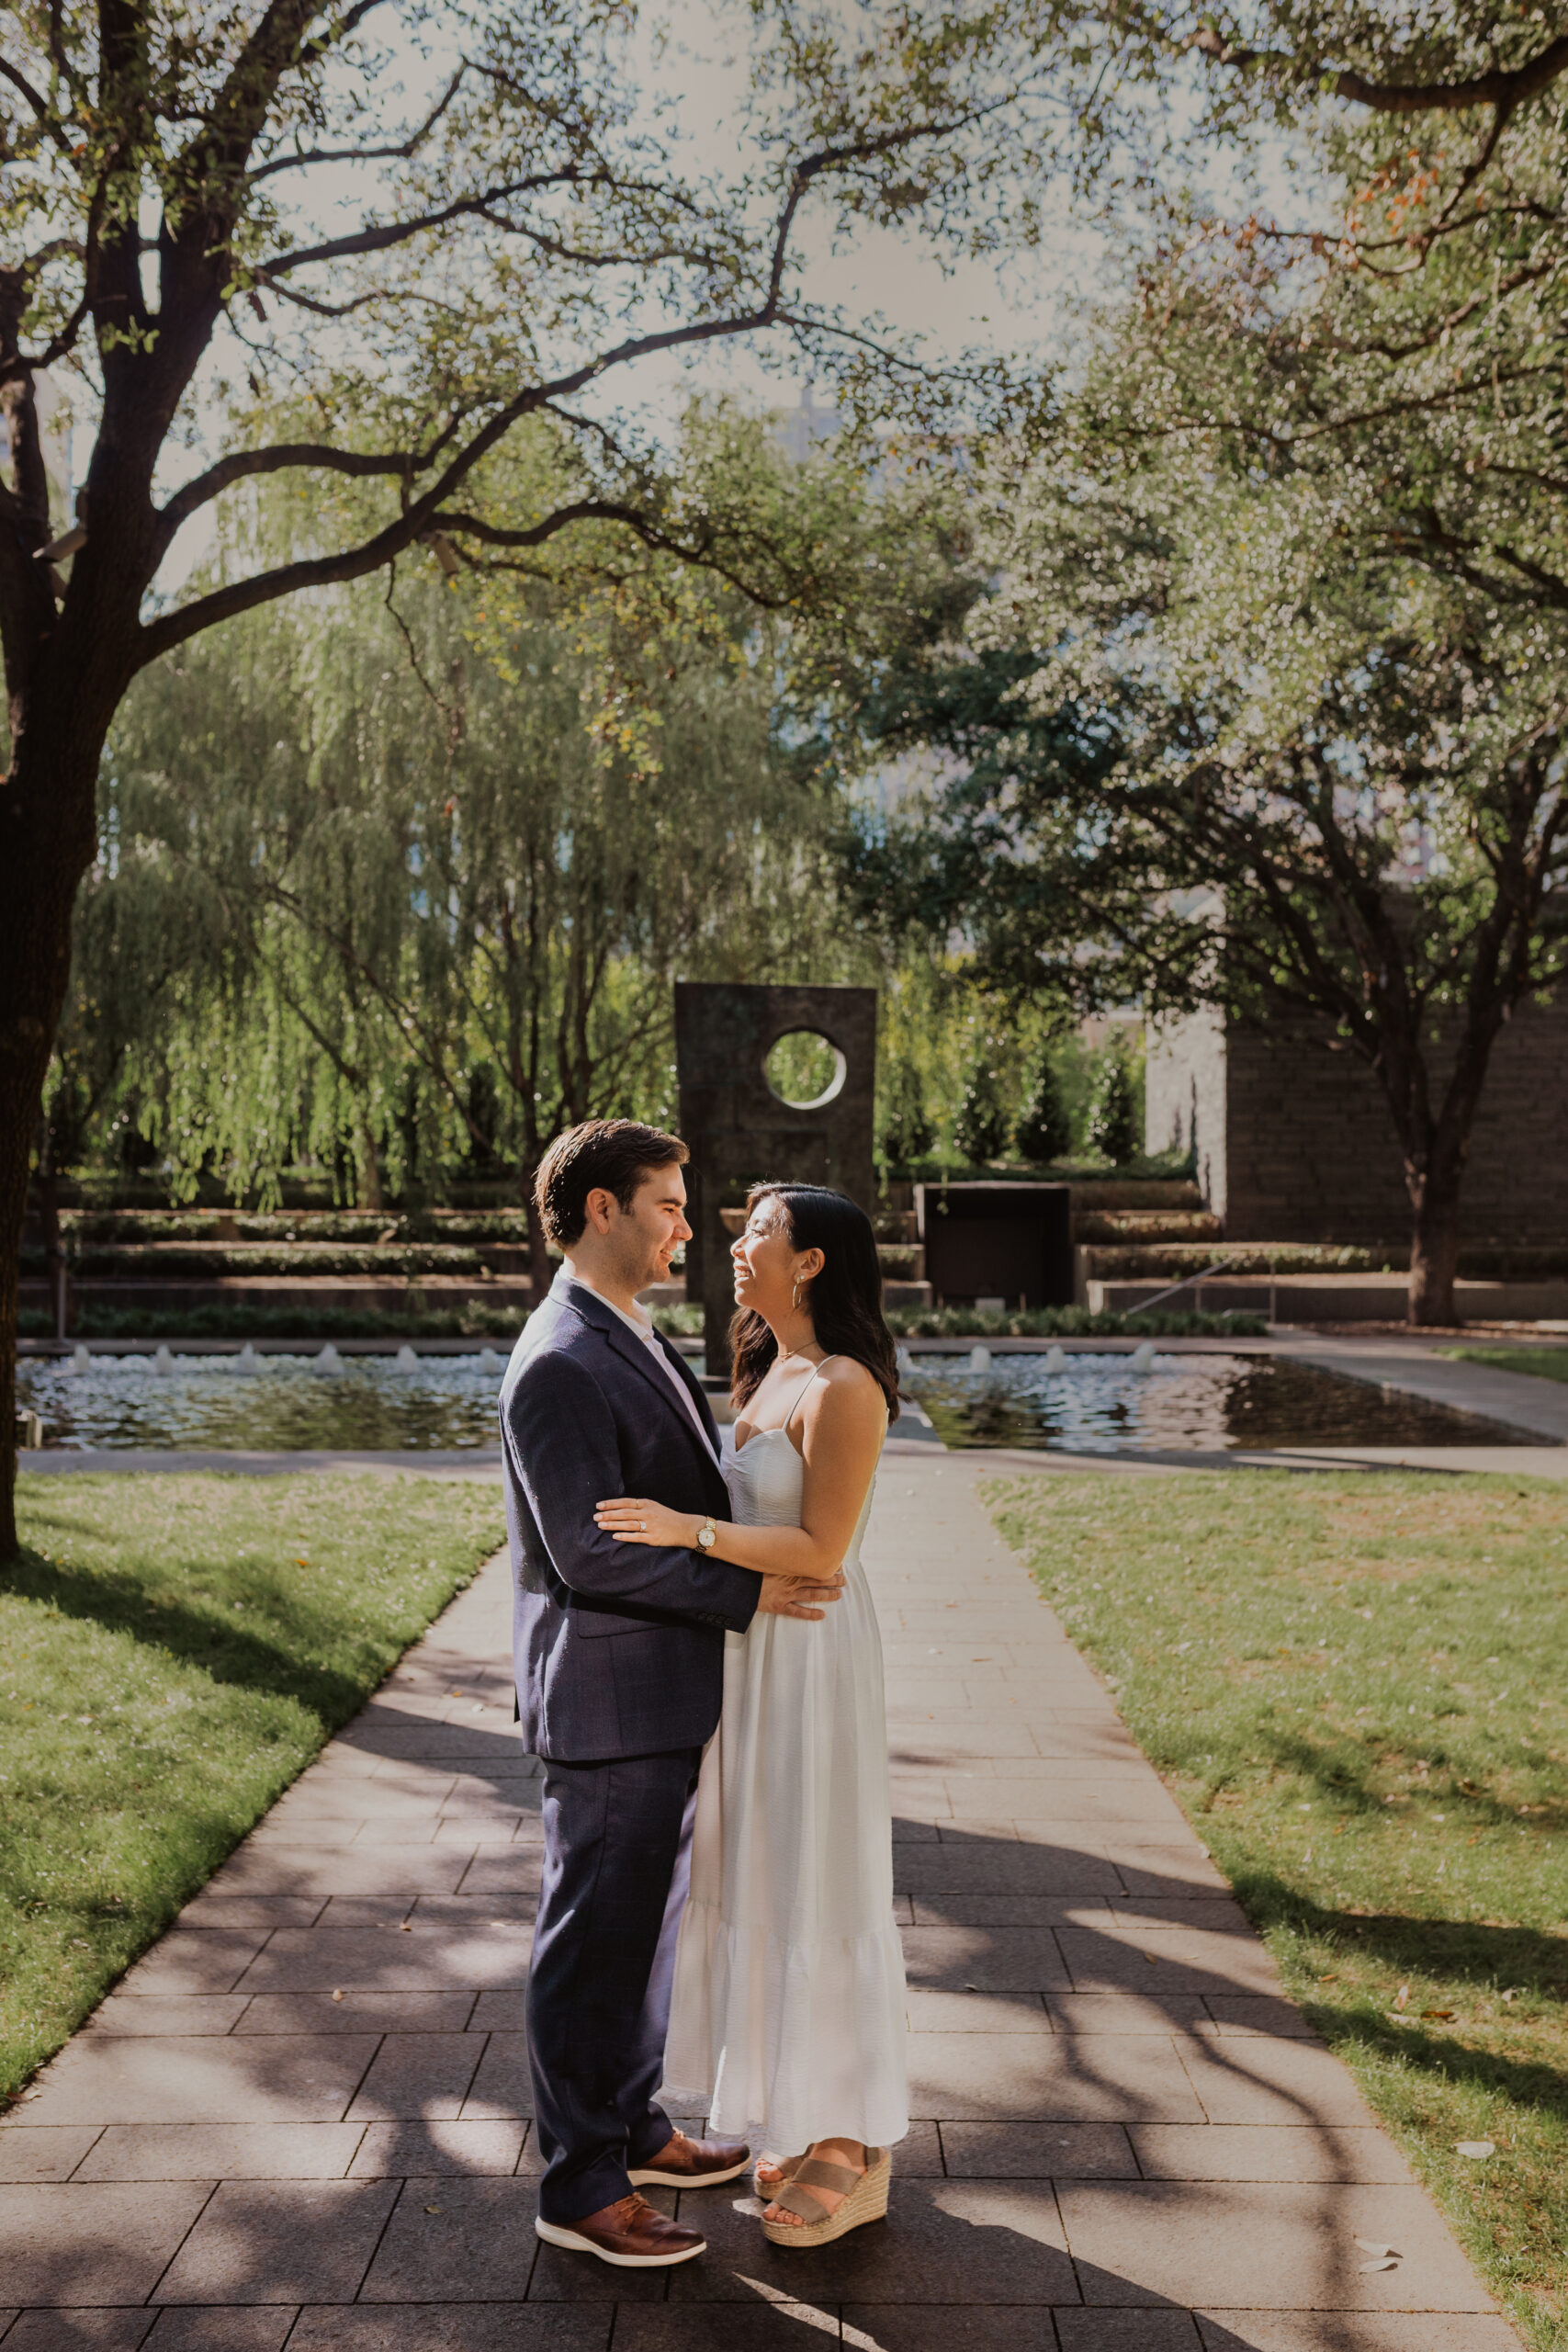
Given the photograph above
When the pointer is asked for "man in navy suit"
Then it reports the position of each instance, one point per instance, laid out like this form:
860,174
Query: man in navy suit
619,1656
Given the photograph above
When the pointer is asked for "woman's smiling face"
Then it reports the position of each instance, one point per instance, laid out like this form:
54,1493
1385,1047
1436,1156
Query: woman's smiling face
767,1264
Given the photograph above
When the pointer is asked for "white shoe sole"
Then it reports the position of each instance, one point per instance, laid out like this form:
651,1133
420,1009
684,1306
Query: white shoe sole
575,2242
649,2177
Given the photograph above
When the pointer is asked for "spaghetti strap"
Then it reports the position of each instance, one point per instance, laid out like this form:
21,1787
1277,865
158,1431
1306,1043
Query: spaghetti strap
800,1391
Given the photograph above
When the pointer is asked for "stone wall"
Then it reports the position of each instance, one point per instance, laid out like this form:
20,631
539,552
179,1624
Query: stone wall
1294,1143
1184,1098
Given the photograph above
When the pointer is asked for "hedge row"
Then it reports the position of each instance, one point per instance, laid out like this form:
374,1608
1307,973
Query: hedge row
217,1226
1175,1261
178,1263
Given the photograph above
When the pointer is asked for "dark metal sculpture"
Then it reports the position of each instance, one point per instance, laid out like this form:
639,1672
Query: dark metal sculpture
739,1130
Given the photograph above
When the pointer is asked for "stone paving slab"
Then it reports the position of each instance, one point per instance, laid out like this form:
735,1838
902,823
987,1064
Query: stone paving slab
30,2152
82,2331
302,2122
430,2327
73,2245
189,2078
394,2150
490,2327
221,2150
1272,2243
122,2015
280,2241
1273,2152
202,2328
1352,2332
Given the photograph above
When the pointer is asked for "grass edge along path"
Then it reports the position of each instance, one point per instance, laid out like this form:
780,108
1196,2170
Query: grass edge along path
1542,1363
174,1651
1356,1686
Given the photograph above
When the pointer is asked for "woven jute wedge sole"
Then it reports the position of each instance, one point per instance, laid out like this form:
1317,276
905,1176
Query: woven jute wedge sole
867,2201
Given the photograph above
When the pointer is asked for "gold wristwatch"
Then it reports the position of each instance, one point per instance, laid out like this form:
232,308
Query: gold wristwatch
707,1535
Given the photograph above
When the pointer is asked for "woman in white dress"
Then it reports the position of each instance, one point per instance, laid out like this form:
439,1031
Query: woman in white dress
788,2005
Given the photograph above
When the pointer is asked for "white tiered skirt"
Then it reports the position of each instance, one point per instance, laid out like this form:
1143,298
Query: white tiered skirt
788,2014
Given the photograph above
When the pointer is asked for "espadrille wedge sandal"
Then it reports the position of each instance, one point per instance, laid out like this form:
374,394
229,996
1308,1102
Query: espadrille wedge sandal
864,2195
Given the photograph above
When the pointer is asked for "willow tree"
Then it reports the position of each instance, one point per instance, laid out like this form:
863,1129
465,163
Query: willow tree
201,1012
456,848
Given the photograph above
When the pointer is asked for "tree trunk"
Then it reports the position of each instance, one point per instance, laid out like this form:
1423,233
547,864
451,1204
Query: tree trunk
540,1271
367,1167
48,1217
47,840
38,889
1434,1244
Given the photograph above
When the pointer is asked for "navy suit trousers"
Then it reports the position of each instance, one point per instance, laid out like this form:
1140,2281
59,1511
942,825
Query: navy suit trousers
616,1863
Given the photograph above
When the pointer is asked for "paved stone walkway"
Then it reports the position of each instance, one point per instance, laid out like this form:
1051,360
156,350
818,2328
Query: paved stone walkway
303,2119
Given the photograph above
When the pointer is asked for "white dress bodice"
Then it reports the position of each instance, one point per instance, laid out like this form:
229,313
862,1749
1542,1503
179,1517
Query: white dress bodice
766,1478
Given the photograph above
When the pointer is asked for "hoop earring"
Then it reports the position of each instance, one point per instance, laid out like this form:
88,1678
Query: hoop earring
796,1297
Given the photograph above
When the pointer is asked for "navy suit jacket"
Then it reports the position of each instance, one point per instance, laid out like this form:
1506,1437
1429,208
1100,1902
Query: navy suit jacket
618,1647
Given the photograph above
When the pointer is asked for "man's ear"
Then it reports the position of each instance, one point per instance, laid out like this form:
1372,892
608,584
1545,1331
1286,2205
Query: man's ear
599,1208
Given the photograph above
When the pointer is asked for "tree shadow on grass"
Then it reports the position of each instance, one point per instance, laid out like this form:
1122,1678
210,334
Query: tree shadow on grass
1477,1951
1467,1950
1340,1774
201,1635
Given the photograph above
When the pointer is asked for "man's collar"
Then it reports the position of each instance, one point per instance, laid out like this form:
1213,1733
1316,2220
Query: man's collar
585,1301
568,1279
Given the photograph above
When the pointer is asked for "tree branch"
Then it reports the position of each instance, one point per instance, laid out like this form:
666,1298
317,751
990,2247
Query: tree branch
364,154
34,98
353,563
1504,89
397,233
241,465
601,510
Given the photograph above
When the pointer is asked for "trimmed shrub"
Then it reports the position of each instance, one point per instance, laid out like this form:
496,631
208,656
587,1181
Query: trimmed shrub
1113,1106
1046,1131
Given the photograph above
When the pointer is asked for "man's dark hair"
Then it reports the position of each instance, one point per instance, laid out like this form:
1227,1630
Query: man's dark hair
609,1155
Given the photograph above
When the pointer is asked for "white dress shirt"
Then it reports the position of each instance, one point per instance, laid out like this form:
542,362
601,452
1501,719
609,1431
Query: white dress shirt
641,1322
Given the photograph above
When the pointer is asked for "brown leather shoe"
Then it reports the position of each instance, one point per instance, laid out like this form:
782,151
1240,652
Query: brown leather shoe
629,2235
693,2164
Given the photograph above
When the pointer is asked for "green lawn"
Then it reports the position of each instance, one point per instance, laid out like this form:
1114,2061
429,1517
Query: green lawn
1547,1364
1357,1687
173,1652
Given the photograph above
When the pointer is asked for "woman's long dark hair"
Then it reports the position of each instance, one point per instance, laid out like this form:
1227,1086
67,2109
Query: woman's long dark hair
845,1299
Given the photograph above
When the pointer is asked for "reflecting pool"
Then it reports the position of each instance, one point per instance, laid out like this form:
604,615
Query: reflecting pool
1110,1403
254,1403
